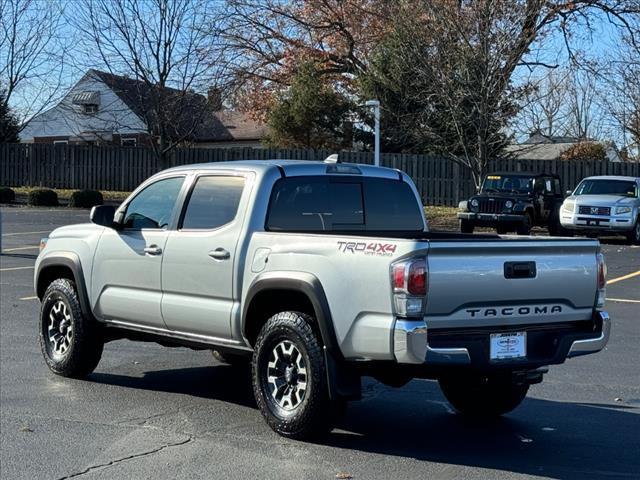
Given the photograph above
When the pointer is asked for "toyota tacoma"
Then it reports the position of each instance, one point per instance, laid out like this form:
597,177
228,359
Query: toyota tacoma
317,274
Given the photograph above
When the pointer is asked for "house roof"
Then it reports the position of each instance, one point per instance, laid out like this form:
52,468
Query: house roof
540,151
192,111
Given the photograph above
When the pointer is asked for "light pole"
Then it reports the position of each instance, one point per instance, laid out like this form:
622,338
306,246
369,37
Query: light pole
376,115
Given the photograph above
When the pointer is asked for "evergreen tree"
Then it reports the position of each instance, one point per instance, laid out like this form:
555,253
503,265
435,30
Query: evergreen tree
310,114
9,127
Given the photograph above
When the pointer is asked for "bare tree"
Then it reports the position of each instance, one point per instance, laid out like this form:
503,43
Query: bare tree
623,99
543,106
585,117
33,54
161,45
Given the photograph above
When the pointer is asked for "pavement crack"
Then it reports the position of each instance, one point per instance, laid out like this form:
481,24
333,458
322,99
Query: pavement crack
129,457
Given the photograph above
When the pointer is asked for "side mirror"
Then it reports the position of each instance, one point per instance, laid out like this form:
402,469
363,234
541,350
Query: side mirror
569,192
103,215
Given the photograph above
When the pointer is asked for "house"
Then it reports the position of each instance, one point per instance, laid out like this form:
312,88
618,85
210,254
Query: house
545,147
102,108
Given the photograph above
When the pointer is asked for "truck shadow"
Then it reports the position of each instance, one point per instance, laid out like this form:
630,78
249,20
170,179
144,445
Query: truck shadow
562,440
553,439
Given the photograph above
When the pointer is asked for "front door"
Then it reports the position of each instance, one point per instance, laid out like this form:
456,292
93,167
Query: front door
126,271
198,266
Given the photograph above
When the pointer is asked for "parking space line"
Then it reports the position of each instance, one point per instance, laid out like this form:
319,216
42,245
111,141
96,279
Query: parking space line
623,300
30,247
24,233
10,269
624,277
29,298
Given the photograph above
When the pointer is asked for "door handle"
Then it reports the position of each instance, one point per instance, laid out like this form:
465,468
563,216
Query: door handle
153,250
219,254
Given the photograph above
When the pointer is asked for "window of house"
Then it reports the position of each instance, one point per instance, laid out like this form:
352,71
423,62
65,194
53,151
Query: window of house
128,142
61,142
90,108
213,202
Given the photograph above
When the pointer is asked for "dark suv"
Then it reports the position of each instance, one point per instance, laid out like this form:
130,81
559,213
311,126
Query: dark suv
514,201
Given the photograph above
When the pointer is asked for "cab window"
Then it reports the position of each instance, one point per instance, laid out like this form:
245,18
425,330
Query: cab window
153,206
213,202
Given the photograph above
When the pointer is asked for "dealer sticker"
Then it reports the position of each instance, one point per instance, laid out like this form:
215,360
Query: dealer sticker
505,346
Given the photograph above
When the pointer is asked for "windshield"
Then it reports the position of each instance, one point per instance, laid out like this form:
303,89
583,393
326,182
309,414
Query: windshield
507,183
623,188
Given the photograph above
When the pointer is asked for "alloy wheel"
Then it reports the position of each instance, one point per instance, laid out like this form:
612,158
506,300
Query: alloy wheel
59,329
286,375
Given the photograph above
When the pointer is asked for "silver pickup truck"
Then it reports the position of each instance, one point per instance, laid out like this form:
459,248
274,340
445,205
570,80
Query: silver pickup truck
318,274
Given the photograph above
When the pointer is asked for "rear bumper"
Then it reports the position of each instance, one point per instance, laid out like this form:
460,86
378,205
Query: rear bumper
490,219
546,344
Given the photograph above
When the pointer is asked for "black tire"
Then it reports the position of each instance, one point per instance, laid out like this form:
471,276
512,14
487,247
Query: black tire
525,227
466,226
554,227
71,344
633,237
483,396
314,413
231,358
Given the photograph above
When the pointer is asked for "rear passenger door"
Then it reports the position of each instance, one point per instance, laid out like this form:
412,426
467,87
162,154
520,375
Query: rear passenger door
198,265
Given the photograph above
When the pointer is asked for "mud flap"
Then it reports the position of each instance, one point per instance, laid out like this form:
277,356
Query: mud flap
342,379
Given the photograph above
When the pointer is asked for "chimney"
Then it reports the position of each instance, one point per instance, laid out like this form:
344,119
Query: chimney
214,96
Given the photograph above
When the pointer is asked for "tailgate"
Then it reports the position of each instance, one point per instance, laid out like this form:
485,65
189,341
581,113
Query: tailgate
510,282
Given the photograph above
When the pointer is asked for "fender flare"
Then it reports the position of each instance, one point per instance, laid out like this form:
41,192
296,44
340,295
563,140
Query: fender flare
523,207
307,284
71,261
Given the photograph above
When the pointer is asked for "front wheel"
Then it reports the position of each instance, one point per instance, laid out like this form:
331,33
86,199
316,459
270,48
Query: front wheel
525,227
633,237
483,396
71,344
466,226
289,377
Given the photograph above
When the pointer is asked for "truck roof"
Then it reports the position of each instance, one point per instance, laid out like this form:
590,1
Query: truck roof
613,177
295,168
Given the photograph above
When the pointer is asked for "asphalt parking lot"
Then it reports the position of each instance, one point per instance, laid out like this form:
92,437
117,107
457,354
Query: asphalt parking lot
153,412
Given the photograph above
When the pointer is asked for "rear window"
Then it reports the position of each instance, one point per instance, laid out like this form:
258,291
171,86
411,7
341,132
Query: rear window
315,204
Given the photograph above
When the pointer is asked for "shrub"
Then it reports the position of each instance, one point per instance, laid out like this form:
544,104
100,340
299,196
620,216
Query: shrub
43,197
7,195
85,199
585,151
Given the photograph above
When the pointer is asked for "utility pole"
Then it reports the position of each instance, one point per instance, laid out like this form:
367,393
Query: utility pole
375,104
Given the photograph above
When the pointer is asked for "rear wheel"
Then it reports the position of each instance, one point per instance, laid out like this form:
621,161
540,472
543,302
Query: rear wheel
525,227
466,226
633,236
290,379
483,396
71,344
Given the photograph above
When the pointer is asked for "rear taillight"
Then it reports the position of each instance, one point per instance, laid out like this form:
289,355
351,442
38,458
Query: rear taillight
417,282
602,281
409,281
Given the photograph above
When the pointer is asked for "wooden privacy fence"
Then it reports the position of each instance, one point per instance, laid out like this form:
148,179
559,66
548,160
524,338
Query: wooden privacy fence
439,180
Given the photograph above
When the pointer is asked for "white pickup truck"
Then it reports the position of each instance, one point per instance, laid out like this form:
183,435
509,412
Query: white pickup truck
318,274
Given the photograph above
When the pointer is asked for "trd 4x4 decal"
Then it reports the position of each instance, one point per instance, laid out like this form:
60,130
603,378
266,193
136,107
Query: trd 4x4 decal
374,248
